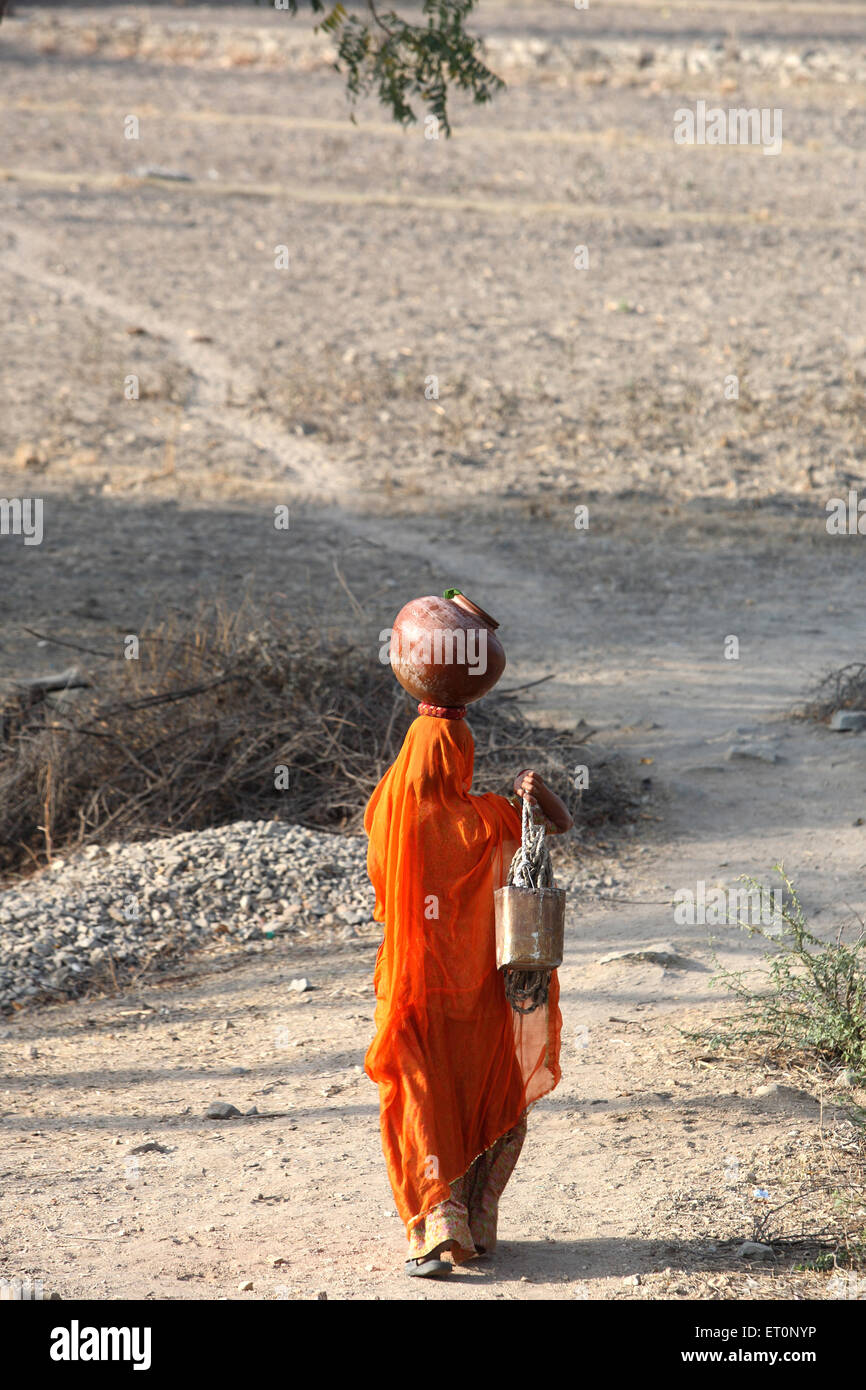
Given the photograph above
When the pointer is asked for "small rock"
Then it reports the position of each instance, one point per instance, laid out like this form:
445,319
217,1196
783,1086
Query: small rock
632,1279
253,1110
848,721
28,456
847,1078
151,1147
155,171
756,752
753,1250
278,1260
220,1110
662,953
785,1095
30,1052
56,680
245,1286
301,985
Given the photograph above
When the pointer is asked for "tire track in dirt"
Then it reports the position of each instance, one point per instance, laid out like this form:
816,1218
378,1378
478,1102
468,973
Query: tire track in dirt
215,379
633,215
616,137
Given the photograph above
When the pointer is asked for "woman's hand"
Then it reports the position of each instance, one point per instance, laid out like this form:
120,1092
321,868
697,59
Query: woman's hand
528,784
531,785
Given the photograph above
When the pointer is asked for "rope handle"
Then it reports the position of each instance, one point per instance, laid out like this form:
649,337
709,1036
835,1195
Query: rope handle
527,990
531,866
529,823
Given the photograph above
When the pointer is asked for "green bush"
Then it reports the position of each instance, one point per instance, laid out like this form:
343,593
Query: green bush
810,1003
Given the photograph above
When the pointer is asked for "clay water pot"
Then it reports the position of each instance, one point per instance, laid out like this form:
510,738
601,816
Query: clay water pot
445,650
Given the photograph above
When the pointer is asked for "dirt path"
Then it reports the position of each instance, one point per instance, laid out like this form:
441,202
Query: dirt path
702,527
634,1120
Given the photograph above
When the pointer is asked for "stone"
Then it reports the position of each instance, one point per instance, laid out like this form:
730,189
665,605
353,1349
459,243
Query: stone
753,1250
156,171
58,680
662,953
847,1078
220,1110
755,752
301,985
28,455
150,1147
246,1286
785,1095
848,721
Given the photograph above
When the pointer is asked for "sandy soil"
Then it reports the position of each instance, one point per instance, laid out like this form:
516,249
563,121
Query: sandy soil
558,387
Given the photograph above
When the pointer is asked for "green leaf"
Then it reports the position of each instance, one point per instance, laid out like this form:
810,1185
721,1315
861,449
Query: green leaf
384,53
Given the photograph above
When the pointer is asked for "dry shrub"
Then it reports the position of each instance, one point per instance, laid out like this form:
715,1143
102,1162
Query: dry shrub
192,732
842,689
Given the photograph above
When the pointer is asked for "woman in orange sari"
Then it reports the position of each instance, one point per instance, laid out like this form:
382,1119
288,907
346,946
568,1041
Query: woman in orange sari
456,1067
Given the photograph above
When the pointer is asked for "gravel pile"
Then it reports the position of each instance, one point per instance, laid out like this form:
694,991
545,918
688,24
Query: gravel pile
123,906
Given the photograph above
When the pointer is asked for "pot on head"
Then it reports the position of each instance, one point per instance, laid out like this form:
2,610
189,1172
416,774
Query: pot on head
445,651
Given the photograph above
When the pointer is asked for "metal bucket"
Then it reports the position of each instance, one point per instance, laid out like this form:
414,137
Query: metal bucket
530,927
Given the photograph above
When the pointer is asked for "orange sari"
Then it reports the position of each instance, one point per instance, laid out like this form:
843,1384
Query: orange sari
455,1066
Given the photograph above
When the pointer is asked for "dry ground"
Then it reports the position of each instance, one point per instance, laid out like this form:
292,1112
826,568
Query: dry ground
557,387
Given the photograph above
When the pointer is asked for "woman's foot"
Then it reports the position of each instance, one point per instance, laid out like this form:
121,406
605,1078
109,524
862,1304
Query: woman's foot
430,1266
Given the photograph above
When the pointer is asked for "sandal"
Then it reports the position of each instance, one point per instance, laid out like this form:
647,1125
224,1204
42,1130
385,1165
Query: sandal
430,1266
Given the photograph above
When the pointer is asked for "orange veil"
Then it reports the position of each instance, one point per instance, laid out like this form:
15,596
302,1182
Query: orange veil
455,1066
